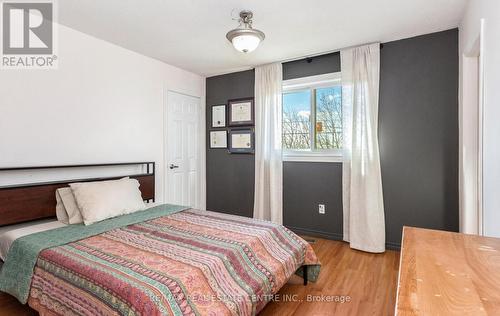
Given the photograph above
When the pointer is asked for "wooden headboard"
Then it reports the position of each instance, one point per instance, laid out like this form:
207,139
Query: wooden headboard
26,202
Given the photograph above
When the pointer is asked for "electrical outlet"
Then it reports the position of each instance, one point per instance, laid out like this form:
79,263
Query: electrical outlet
321,208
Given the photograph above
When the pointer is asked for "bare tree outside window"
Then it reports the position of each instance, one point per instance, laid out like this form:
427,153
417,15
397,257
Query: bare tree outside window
299,108
297,120
329,118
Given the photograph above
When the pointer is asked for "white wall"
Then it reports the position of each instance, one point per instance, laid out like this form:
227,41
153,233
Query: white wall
103,104
489,10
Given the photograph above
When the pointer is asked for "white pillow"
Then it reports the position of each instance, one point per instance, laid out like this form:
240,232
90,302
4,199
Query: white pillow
61,214
67,210
105,199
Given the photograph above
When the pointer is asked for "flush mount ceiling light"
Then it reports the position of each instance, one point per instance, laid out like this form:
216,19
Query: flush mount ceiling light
245,38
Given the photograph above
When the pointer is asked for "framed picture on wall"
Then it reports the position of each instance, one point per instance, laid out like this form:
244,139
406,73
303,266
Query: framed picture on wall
241,141
219,115
241,112
218,139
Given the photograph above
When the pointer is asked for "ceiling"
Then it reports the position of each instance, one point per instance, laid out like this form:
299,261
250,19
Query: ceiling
190,34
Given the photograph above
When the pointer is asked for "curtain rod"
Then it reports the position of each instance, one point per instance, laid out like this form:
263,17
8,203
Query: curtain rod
323,53
299,58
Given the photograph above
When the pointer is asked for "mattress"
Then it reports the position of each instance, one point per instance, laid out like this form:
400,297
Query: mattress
9,233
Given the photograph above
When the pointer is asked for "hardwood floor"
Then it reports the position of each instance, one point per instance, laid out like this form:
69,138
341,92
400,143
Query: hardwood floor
369,280
10,306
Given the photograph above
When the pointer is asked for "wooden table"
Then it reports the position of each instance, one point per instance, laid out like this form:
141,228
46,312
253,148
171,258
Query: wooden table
444,273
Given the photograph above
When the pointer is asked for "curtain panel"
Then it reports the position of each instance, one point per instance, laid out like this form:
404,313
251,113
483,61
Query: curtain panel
268,203
363,206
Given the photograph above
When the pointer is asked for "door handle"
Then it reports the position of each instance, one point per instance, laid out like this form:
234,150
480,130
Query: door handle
172,166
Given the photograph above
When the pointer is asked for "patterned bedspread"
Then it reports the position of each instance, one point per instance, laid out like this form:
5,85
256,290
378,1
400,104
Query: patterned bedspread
188,263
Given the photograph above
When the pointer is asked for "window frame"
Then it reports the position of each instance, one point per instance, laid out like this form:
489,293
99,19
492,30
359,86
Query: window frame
312,83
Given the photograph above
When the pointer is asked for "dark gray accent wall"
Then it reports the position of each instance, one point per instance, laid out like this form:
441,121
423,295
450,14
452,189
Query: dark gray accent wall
318,65
307,184
230,178
418,132
418,135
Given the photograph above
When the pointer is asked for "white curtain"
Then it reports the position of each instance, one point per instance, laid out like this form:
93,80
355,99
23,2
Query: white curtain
268,204
364,226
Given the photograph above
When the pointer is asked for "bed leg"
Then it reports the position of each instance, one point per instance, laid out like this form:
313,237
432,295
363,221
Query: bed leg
305,275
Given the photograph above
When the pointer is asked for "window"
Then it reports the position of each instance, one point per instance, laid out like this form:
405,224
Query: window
312,118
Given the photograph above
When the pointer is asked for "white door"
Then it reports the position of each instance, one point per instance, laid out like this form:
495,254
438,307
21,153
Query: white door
182,149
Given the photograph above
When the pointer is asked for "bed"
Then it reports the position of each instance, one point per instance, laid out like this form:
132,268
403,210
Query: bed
165,260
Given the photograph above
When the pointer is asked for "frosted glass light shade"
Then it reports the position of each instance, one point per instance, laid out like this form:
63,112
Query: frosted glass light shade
246,43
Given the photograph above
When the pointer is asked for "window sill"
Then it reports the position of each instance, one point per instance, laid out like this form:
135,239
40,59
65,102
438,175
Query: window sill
312,157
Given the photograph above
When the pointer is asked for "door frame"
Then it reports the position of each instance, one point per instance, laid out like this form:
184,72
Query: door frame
473,66
201,200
